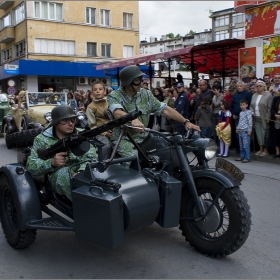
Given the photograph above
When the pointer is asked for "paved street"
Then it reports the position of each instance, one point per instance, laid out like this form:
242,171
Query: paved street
155,252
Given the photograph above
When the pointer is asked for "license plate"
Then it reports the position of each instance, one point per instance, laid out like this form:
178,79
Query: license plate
235,172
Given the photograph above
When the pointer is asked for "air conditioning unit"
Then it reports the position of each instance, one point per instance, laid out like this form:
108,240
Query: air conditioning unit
232,24
83,81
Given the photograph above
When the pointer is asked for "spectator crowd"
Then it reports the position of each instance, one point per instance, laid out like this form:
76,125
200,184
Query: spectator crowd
243,116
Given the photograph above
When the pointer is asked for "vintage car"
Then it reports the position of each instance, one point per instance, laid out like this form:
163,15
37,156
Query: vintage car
28,116
4,107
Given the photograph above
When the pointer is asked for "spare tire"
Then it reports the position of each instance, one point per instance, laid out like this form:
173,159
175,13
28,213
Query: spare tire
23,138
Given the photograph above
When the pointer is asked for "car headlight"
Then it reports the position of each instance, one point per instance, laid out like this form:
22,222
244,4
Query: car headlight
206,148
48,117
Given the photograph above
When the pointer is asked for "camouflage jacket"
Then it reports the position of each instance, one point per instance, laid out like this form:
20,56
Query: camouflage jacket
37,166
143,101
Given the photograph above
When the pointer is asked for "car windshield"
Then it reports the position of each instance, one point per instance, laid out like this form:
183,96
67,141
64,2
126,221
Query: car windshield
46,98
3,98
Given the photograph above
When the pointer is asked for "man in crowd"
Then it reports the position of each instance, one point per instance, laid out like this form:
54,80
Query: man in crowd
276,84
235,105
252,88
267,81
130,97
205,91
62,125
182,106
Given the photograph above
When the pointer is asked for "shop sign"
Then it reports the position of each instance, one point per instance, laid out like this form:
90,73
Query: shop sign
11,69
247,63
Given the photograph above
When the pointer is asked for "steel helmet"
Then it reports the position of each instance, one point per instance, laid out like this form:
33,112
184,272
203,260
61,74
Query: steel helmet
129,73
62,112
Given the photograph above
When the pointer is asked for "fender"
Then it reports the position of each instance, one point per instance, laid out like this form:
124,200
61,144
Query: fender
32,125
11,125
25,193
218,175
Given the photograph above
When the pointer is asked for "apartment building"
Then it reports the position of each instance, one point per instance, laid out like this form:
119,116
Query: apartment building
59,43
227,24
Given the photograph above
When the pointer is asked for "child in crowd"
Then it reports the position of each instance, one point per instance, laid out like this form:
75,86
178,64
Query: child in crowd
223,129
96,117
203,116
244,129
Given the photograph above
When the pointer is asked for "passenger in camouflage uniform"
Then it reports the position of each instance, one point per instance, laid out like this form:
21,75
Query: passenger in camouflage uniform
130,97
62,125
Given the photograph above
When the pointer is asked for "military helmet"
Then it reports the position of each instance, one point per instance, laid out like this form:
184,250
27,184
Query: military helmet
129,73
61,112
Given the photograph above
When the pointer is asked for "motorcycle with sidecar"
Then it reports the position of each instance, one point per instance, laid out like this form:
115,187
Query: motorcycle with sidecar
109,200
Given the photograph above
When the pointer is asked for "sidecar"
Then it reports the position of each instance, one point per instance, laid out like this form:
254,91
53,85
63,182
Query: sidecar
107,203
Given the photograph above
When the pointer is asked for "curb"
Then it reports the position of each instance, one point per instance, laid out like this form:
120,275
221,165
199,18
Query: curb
268,159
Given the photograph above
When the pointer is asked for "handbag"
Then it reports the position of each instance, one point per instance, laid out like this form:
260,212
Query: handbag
155,124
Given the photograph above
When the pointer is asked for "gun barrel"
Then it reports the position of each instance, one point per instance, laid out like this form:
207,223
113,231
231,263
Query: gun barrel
68,142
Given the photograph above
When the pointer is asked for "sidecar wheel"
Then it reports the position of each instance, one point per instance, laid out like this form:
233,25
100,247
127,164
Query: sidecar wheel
17,238
23,138
226,228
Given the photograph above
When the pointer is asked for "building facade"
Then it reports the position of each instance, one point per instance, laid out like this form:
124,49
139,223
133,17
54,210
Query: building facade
58,43
227,24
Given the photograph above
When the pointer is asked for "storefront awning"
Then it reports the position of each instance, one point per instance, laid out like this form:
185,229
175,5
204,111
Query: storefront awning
138,59
217,57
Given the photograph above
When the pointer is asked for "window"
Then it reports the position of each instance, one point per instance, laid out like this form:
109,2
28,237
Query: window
238,32
20,49
128,51
91,15
48,10
6,21
91,49
221,35
55,47
222,21
19,13
127,21
7,55
106,50
238,18
105,17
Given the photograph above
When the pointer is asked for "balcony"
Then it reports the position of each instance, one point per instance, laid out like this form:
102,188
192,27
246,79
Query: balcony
5,4
7,34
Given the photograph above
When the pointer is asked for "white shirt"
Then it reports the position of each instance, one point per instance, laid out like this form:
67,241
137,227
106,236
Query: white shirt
257,112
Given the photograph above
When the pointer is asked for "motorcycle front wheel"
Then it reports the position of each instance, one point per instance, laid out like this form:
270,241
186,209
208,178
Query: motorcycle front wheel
228,224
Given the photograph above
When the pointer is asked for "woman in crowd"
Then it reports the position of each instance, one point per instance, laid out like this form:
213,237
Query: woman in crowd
159,94
216,106
275,126
71,100
260,107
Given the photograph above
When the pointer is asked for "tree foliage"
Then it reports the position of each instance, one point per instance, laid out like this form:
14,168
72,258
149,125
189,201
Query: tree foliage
170,35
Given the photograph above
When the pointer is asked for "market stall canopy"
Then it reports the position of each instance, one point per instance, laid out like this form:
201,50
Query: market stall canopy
138,59
215,57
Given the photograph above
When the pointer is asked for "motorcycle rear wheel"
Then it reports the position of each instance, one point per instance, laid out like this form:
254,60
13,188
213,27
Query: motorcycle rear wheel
230,219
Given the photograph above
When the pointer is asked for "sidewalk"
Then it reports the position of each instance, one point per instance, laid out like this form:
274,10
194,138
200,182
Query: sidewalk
269,158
